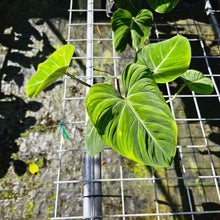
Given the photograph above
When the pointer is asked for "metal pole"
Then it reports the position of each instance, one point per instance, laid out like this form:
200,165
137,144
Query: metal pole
97,187
87,202
92,170
213,20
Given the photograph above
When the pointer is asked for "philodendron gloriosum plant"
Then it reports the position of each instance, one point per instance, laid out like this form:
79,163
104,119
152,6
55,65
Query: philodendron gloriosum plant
138,124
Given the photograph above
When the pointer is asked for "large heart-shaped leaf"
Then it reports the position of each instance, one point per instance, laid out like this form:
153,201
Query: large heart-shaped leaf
167,59
50,70
162,6
133,6
139,126
197,82
130,30
94,143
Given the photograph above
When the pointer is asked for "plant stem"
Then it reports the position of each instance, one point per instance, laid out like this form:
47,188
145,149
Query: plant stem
102,71
118,85
178,92
78,80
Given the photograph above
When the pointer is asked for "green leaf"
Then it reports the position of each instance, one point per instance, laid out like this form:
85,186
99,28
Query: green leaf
167,59
94,143
33,168
162,6
50,70
40,161
197,82
109,79
133,6
130,30
140,125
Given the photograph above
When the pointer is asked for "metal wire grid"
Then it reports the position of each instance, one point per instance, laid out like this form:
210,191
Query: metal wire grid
189,189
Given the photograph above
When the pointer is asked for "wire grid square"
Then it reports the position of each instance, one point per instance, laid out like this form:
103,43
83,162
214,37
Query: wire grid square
70,169
189,189
142,203
111,199
70,193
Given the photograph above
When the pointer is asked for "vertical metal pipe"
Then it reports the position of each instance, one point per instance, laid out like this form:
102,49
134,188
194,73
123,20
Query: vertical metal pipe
87,192
87,202
213,20
97,187
92,170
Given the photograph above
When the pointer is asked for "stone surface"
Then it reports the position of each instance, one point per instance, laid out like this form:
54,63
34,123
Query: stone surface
29,128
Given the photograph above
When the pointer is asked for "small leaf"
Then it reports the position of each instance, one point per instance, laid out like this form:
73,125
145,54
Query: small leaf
30,211
197,82
108,81
64,131
167,59
94,143
162,6
50,70
133,6
40,161
14,156
33,168
140,125
130,30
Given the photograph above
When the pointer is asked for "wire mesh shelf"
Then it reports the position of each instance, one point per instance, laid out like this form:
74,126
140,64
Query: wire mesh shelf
109,186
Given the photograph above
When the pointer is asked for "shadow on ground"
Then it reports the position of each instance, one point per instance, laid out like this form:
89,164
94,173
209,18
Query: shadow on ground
17,36
13,122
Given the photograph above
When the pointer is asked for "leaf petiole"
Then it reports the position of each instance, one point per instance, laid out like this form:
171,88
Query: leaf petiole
102,71
118,85
178,92
78,80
